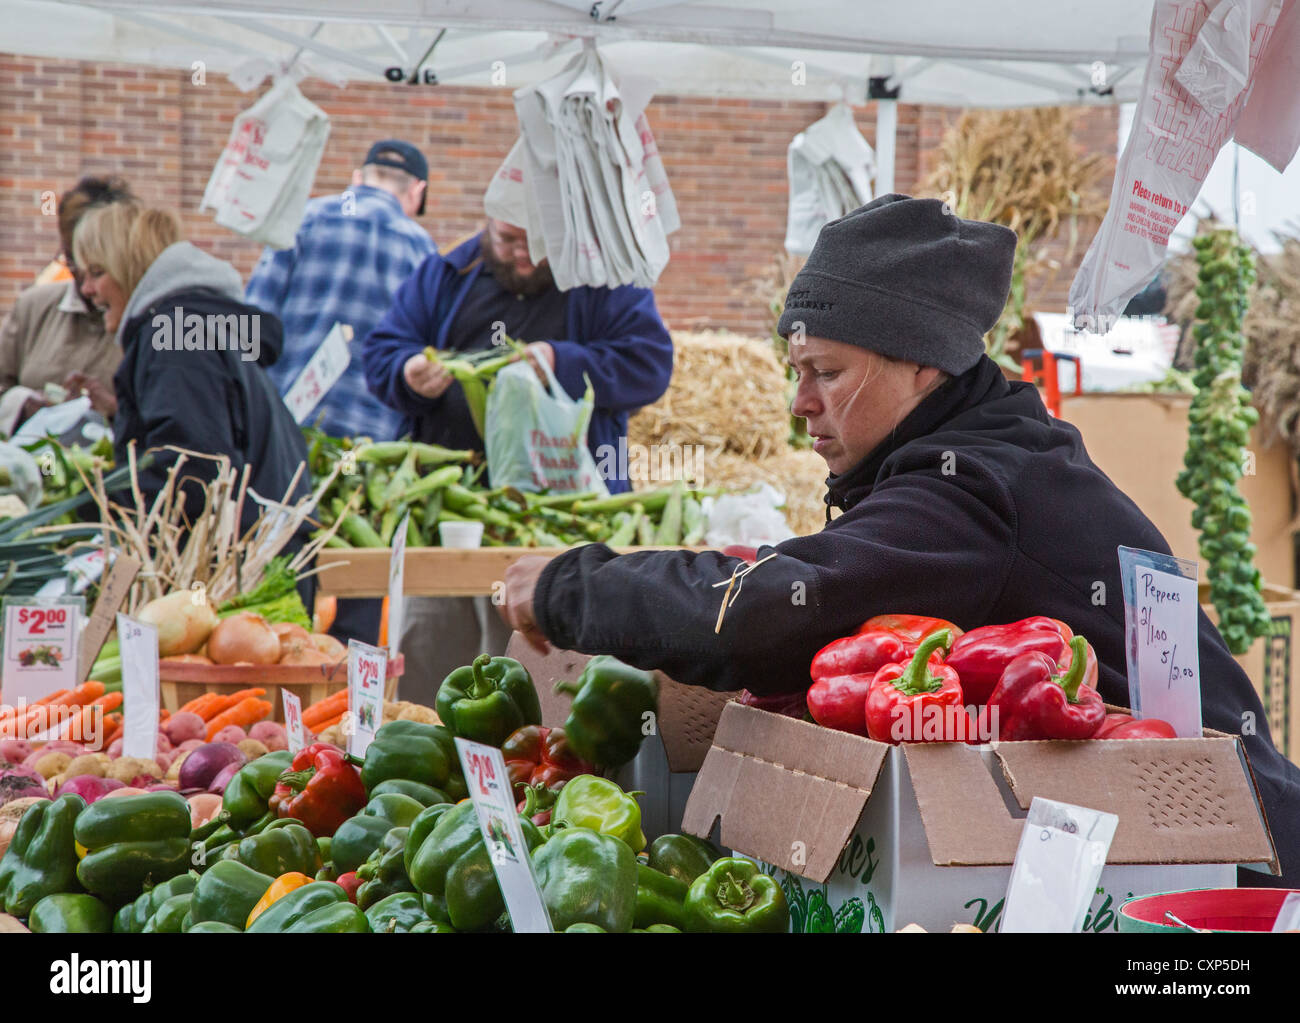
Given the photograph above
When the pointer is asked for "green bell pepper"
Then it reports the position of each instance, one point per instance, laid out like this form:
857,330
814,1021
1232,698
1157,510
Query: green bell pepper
487,700
248,792
42,856
657,929
612,705
383,873
660,899
413,751
132,842
70,913
291,909
433,927
227,894
587,877
734,897
435,908
588,801
684,857
132,917
359,836
584,928
453,863
425,795
342,918
396,914
170,916
214,927
285,846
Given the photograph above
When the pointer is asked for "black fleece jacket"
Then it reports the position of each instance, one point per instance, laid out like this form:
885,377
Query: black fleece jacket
980,508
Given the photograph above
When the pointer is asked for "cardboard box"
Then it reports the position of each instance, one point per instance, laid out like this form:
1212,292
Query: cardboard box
1272,664
1139,440
665,767
926,833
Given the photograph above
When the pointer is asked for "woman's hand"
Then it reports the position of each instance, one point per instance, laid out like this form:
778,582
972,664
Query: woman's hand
517,610
102,399
426,376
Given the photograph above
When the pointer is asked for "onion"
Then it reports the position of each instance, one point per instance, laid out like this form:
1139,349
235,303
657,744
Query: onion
244,637
297,654
329,646
188,659
206,762
182,624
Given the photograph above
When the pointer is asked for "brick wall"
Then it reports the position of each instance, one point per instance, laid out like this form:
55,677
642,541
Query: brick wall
725,160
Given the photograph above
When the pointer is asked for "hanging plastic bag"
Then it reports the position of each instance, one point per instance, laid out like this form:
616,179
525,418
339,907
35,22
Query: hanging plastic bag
536,435
261,182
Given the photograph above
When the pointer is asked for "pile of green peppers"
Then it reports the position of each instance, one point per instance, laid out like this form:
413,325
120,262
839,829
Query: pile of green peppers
1219,425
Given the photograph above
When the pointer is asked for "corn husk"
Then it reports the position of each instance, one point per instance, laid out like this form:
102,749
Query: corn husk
727,394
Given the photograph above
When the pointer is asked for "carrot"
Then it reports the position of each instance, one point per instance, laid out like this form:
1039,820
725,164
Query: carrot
245,713
84,694
325,708
109,701
163,714
81,724
198,701
56,697
116,732
327,723
223,703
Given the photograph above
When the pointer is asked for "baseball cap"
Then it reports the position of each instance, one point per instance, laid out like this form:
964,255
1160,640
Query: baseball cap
407,158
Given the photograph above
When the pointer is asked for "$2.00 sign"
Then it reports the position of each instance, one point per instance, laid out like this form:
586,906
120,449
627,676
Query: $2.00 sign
40,648
367,668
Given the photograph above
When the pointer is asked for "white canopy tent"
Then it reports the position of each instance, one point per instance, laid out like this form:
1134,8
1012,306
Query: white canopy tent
954,52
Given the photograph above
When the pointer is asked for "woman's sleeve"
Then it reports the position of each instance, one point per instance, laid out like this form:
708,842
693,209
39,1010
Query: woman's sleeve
920,544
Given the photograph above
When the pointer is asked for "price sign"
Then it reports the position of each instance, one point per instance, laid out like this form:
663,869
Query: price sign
293,720
494,803
396,586
139,644
1059,860
1161,613
367,666
322,372
40,648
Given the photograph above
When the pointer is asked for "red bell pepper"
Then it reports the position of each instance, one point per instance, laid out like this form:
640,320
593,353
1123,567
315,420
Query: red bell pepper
790,705
349,882
1112,722
321,789
982,655
536,755
1032,700
1138,728
919,701
884,639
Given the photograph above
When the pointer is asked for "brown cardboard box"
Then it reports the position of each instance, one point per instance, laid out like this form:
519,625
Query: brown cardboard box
1139,440
1272,664
665,768
927,832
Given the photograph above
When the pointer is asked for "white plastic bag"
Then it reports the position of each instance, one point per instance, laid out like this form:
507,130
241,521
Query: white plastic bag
750,520
830,166
261,182
1216,51
536,435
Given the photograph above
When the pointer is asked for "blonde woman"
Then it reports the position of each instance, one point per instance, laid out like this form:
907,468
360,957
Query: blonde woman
192,354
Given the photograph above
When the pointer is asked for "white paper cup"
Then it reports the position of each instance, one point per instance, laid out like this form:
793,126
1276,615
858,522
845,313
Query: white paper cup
460,534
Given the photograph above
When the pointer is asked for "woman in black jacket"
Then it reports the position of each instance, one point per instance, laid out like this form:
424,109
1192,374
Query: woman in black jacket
192,358
961,499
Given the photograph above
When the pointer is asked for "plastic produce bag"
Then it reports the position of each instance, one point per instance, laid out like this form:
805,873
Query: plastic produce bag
536,435
263,177
749,520
830,166
1209,66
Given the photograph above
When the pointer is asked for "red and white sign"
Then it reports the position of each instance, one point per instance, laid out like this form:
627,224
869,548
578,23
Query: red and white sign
40,649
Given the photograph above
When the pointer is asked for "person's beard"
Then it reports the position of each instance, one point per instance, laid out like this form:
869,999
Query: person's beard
512,280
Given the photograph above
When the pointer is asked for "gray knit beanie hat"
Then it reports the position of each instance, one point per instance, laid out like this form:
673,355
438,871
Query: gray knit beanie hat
904,278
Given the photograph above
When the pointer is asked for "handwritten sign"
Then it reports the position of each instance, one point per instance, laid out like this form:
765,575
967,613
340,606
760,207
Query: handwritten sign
293,720
323,370
397,586
367,666
139,644
494,803
40,648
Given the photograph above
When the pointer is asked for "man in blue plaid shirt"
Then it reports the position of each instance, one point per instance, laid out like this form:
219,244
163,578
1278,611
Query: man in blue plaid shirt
351,254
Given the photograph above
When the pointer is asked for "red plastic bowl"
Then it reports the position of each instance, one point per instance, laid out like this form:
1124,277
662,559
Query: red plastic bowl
1211,909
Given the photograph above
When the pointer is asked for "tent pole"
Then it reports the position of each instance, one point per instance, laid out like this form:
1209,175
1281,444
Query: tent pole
886,136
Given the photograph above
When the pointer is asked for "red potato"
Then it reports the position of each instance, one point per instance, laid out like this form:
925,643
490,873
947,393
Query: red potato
15,751
185,726
270,734
232,734
128,791
190,744
164,744
115,748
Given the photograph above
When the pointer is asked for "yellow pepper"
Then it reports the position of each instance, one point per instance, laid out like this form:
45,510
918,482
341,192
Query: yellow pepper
280,887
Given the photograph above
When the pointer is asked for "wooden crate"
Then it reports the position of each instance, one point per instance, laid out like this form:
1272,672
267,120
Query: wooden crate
431,571
181,682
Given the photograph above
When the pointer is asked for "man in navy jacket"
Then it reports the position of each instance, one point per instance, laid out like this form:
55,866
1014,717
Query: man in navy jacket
487,287
467,300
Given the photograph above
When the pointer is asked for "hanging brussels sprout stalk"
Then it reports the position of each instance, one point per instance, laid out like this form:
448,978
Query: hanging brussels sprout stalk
1219,425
